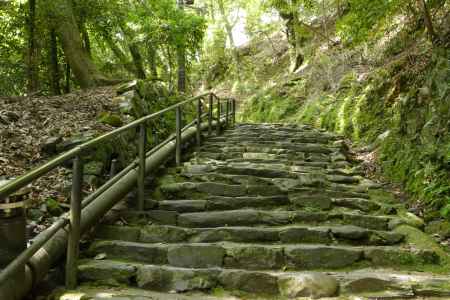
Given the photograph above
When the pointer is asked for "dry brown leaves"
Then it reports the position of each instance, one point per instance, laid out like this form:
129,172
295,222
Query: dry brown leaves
26,123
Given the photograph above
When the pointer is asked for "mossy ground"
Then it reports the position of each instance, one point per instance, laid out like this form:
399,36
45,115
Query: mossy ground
395,102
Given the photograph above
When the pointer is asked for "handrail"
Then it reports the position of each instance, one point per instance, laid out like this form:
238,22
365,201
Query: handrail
24,180
73,216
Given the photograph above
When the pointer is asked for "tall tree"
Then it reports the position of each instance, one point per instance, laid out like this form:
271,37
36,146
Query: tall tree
85,71
33,49
181,59
53,63
229,29
428,22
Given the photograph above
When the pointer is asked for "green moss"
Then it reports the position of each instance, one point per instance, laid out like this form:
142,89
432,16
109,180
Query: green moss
111,119
420,240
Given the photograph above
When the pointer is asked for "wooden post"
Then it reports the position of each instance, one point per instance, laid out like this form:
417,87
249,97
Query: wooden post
75,221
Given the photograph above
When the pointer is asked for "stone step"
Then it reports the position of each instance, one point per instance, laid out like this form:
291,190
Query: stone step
291,138
253,217
298,147
343,234
302,168
202,190
215,203
370,284
263,170
262,256
290,201
222,186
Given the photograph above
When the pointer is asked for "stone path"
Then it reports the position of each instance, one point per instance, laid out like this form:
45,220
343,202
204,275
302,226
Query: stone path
263,211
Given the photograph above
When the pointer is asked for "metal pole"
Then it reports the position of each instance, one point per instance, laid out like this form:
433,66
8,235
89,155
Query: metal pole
210,114
113,169
234,111
218,117
227,113
179,125
75,223
155,136
141,173
199,123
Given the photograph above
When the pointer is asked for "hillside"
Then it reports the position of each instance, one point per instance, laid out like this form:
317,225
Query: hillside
389,95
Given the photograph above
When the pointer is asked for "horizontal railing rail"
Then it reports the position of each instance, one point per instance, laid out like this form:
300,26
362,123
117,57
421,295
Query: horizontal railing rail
71,219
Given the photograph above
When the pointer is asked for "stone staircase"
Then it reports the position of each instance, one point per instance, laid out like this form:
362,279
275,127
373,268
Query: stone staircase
262,211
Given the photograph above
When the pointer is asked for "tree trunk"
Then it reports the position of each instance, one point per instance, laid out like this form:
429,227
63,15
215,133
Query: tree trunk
86,39
137,60
181,60
152,61
428,21
67,81
86,73
126,63
293,40
33,51
229,30
53,64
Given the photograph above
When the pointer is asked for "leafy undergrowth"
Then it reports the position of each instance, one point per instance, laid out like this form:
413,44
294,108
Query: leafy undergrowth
392,99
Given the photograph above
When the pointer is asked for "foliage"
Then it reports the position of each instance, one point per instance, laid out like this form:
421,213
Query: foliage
111,30
12,49
386,87
358,24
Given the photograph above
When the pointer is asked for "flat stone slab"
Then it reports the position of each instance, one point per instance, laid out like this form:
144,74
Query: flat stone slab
259,256
334,234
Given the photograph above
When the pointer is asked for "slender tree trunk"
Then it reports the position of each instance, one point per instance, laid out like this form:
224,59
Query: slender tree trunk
428,21
121,56
181,60
85,71
67,81
152,60
86,39
229,30
294,40
137,60
53,64
33,49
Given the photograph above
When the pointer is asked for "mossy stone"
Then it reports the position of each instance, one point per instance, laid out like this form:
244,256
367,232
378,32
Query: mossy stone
111,119
440,227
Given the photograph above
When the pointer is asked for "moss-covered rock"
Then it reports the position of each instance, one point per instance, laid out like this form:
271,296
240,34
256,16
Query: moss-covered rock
111,119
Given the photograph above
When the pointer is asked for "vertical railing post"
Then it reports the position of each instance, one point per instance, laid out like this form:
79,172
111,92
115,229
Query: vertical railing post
113,169
155,137
227,113
178,125
210,114
74,226
218,117
234,111
199,122
141,172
